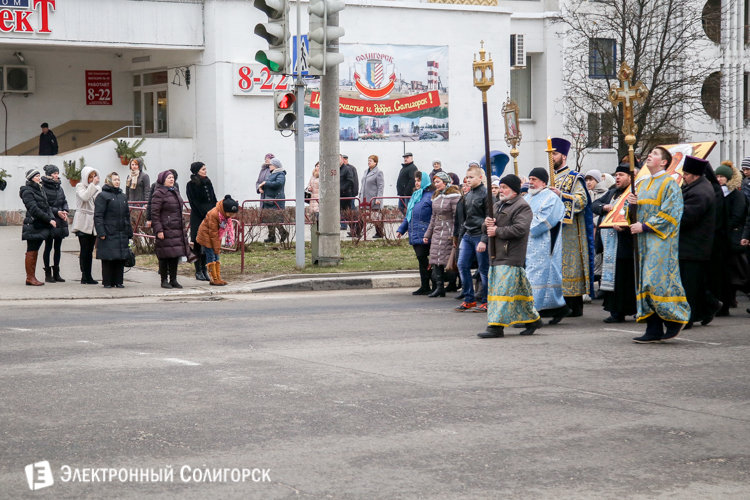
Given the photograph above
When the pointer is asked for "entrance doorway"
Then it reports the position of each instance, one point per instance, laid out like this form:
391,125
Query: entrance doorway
150,104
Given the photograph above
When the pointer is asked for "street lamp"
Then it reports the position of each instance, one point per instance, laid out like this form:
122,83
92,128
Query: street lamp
484,78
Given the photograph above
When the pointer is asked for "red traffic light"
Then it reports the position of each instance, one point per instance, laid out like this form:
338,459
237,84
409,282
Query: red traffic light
285,100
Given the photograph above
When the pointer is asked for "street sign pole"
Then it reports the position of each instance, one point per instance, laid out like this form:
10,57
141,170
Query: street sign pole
299,157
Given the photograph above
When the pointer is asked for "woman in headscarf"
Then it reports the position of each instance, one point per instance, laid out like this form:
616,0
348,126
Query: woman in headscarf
440,232
59,205
137,185
83,223
202,199
113,230
418,215
38,224
730,179
171,237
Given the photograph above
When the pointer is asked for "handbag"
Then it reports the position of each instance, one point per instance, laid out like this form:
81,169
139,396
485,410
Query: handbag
452,265
308,195
130,260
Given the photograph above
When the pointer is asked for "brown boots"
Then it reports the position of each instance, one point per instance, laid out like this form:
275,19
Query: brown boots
214,273
31,280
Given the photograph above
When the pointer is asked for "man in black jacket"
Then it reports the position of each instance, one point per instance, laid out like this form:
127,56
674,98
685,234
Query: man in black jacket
47,142
696,237
472,241
405,182
618,290
347,189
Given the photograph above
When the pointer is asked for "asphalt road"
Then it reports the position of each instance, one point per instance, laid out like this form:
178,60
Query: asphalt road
366,395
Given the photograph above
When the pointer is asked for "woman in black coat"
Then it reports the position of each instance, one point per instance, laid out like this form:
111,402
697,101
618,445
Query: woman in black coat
38,224
113,231
59,206
166,221
735,211
202,199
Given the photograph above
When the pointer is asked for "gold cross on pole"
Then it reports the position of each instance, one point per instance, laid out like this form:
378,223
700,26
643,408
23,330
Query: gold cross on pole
627,95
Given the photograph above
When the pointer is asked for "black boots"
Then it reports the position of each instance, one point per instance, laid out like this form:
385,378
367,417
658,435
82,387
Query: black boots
56,274
424,276
438,278
201,273
48,275
492,332
532,327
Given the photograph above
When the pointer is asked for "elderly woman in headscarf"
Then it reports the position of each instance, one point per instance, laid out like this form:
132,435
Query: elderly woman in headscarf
418,215
440,232
437,166
171,236
113,231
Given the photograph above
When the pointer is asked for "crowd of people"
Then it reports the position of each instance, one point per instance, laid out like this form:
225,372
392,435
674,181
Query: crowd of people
544,249
102,223
677,256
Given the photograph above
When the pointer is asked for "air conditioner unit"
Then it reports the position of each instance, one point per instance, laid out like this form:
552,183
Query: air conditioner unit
18,79
517,51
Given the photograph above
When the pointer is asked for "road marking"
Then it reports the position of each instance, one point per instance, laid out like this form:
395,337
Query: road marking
698,341
681,338
181,361
20,329
616,330
88,342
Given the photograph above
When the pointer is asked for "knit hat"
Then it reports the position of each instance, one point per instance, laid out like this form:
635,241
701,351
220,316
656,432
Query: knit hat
513,182
437,160
276,163
50,169
594,174
623,167
270,156
30,174
745,163
696,166
230,206
195,167
496,182
163,176
444,177
724,170
541,174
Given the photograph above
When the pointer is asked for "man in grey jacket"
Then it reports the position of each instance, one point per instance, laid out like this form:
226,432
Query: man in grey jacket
510,298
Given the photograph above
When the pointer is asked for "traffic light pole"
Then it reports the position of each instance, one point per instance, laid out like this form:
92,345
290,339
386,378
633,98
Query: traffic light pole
330,235
299,157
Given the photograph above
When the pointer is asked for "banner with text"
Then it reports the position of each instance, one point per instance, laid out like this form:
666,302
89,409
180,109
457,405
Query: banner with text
387,93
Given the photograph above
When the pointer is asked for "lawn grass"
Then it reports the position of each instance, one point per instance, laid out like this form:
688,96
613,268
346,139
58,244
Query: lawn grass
264,260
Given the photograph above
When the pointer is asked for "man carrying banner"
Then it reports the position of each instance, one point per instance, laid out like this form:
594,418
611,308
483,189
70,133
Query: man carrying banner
577,232
544,253
659,292
618,269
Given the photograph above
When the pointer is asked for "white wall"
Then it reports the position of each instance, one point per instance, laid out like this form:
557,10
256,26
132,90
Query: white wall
162,154
61,92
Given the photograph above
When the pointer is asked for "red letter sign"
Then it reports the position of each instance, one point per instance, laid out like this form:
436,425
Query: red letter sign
98,88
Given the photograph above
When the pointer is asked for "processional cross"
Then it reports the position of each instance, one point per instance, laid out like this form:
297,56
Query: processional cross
627,95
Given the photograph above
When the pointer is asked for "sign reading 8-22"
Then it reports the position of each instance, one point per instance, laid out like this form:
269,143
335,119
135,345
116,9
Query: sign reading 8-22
256,79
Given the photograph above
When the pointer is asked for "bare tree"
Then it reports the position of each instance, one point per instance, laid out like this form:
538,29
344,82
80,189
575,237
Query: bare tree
661,40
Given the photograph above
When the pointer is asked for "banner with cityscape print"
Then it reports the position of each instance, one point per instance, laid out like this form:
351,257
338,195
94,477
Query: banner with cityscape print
387,93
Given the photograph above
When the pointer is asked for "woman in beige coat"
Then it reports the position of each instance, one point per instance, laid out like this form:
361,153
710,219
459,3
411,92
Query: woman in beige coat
440,231
83,223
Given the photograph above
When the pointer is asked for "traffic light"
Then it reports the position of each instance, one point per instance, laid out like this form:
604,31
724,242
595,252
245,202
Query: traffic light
320,35
284,117
276,33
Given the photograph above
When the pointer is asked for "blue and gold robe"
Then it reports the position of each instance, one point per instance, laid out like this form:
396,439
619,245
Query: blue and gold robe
544,251
577,234
659,288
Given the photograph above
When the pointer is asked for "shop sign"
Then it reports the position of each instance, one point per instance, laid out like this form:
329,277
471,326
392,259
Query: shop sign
98,88
256,79
15,15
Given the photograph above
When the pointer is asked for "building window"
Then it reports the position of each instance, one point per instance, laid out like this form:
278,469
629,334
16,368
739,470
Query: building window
602,57
150,103
520,89
746,96
601,131
711,95
711,20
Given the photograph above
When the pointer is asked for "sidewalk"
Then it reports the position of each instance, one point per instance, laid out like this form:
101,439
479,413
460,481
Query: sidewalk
145,283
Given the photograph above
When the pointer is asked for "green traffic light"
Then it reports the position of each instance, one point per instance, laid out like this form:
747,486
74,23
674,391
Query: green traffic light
262,58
